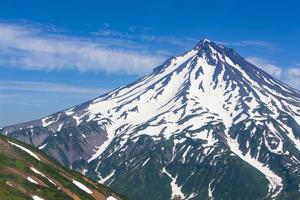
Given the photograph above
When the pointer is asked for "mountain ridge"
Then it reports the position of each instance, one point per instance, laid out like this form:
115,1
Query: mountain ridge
210,98
27,173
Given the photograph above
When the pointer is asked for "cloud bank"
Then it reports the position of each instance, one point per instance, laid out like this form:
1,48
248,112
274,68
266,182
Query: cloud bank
32,48
288,75
48,87
39,47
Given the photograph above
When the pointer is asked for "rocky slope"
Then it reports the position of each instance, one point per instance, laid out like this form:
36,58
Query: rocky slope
206,124
27,173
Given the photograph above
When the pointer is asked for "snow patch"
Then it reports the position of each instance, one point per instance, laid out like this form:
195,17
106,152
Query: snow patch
275,181
40,173
146,161
84,171
32,180
176,190
35,197
43,146
25,149
103,180
81,186
111,198
210,191
44,123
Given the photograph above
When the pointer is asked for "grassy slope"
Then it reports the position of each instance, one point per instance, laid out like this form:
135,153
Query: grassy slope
15,167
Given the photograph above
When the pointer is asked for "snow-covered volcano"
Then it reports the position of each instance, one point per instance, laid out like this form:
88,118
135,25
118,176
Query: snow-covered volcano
199,121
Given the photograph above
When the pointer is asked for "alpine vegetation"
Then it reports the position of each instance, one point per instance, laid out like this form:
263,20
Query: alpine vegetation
28,173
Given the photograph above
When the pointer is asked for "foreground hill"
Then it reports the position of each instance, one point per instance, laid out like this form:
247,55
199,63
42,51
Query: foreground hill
27,173
206,124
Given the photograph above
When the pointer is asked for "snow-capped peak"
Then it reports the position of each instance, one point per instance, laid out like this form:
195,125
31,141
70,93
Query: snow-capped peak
210,94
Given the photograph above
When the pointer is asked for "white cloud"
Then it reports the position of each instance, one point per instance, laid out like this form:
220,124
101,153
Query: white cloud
294,72
266,65
31,48
24,100
38,47
288,75
46,87
293,77
142,34
171,40
252,43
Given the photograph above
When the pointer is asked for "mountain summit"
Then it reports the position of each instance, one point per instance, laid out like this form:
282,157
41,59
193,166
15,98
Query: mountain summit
206,124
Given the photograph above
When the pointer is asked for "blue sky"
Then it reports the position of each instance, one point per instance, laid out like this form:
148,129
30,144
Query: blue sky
56,54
